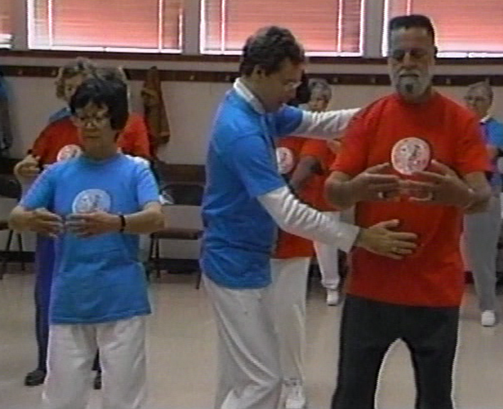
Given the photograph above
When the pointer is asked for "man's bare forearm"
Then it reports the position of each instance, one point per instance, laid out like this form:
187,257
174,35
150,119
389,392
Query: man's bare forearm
306,168
339,191
480,191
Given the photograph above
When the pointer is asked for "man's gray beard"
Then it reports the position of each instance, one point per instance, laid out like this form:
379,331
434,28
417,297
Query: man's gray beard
411,86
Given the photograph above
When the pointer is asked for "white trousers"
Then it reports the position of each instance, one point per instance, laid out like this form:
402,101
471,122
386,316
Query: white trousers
70,359
328,260
249,375
481,237
289,305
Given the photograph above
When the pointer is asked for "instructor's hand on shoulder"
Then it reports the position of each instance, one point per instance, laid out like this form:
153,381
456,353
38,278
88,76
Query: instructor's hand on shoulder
383,240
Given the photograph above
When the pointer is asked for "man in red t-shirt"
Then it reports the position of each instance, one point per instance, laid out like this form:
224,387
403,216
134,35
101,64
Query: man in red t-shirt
418,157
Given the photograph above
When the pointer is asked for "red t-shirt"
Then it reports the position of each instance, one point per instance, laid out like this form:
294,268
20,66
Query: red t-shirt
60,140
288,245
433,275
55,139
133,140
319,149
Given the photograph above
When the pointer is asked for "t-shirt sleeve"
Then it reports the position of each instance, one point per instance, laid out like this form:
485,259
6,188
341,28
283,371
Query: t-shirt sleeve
41,192
352,157
496,135
41,145
471,153
254,163
288,119
146,187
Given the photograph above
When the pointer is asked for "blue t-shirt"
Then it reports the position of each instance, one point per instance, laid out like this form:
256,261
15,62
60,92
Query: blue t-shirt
97,279
493,133
241,166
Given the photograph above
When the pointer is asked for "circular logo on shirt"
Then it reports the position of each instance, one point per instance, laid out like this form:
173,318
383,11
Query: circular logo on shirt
285,159
68,152
410,155
92,200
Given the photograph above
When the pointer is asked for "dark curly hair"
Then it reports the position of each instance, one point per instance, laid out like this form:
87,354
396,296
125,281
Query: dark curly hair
269,48
110,93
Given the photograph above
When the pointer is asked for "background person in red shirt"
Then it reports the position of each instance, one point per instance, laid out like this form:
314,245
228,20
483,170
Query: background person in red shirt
313,168
384,168
58,139
289,269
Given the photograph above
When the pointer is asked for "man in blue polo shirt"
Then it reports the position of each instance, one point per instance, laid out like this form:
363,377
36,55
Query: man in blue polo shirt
244,202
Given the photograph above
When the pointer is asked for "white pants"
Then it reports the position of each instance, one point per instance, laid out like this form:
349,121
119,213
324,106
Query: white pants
289,302
70,359
481,237
249,375
328,260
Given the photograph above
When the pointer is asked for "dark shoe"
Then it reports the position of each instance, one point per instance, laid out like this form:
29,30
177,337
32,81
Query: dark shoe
35,378
97,381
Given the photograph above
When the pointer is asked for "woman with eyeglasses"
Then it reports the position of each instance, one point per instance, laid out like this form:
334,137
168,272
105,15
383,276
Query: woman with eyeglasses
60,141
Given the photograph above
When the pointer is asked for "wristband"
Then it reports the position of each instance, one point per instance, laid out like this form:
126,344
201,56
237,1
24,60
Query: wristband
123,223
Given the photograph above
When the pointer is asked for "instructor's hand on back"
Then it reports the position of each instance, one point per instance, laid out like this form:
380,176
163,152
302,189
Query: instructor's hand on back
383,240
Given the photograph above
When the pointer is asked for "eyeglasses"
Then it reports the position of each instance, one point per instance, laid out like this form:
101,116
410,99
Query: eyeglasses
96,121
476,99
414,54
292,85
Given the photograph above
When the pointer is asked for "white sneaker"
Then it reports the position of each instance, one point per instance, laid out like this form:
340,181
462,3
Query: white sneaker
488,318
333,297
295,397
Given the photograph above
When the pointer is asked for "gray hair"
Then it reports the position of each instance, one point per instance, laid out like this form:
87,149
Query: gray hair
321,86
485,86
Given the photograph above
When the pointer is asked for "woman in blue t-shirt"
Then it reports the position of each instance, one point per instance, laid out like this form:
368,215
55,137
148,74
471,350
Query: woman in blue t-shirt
95,206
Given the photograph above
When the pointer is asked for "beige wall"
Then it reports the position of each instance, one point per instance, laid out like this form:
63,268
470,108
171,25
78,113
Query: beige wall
190,106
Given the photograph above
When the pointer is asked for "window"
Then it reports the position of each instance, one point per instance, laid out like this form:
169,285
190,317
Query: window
107,25
472,28
6,22
324,27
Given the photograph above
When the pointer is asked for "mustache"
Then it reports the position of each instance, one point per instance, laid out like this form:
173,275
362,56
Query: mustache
409,73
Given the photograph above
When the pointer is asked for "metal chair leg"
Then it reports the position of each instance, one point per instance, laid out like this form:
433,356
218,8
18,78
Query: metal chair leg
157,258
21,250
6,252
199,279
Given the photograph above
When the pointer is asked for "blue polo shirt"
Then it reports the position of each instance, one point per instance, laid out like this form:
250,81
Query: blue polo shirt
241,166
60,114
493,133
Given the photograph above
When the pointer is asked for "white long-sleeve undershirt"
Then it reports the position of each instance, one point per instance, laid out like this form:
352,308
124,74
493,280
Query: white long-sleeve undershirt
297,218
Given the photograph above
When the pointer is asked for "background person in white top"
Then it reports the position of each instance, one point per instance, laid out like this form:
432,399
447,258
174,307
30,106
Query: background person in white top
482,230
